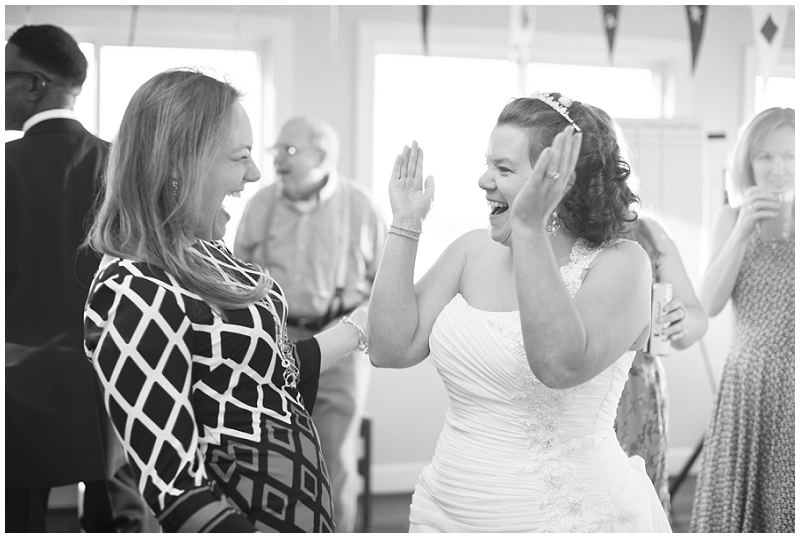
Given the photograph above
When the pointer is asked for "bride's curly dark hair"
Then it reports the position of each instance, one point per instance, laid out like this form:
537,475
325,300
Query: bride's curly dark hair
598,206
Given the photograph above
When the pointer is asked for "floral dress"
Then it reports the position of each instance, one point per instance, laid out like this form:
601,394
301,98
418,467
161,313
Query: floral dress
642,414
747,480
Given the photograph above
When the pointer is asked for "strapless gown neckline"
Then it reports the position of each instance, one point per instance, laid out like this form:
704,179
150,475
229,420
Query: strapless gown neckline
517,456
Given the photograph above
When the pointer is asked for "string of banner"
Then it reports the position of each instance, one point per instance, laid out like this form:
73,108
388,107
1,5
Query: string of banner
769,29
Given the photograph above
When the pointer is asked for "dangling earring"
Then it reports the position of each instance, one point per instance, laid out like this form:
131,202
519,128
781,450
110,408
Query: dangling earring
175,189
554,226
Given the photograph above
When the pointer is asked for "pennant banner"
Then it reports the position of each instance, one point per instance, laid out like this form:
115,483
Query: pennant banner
697,22
425,16
610,20
769,29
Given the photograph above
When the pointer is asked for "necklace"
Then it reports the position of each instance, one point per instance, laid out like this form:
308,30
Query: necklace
291,373
285,348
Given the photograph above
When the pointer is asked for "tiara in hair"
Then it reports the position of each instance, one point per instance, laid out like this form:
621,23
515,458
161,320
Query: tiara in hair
561,106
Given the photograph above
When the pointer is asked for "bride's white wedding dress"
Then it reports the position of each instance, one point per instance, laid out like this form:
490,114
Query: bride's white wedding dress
516,456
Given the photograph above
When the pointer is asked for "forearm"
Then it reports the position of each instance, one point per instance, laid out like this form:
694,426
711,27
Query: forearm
720,277
393,310
553,332
336,342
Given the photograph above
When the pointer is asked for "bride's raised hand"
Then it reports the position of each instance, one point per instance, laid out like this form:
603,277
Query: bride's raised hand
409,197
552,177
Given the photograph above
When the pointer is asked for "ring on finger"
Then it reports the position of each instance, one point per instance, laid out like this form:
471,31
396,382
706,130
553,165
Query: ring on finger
553,175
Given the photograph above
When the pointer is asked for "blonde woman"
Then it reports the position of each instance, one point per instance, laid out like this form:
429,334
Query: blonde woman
746,483
208,395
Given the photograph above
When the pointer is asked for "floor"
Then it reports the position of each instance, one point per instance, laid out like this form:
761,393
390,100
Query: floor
389,513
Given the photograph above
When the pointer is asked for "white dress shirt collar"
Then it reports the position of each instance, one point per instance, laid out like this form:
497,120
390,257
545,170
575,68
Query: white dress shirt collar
49,115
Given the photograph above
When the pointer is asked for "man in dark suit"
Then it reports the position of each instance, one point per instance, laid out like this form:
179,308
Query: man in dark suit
56,427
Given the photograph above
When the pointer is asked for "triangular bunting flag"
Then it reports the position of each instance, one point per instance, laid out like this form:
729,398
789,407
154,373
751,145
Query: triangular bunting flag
697,22
425,15
610,20
769,29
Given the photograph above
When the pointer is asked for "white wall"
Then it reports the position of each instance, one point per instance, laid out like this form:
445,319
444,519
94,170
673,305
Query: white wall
316,70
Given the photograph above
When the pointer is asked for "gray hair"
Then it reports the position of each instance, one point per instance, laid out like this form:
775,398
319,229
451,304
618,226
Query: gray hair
322,136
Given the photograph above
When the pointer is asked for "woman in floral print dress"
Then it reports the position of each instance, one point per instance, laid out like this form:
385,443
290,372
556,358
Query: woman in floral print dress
747,479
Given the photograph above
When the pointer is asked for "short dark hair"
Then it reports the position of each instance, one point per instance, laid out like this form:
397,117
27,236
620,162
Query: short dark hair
598,206
52,49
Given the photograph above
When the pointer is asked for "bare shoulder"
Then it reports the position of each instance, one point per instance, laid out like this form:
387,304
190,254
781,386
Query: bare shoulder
473,241
726,217
656,227
625,255
661,235
454,256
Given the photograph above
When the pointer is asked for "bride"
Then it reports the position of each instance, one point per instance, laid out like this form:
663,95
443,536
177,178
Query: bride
532,328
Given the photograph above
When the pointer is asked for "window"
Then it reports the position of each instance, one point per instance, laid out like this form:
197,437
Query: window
622,92
450,106
778,91
125,69
450,115
111,82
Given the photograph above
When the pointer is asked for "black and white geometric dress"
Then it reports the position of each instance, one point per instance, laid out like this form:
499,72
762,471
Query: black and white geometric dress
747,481
209,410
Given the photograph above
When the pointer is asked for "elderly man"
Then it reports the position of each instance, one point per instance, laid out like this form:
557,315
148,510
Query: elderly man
57,430
321,236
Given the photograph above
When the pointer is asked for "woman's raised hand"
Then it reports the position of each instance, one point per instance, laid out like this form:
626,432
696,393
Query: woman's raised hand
408,196
759,203
552,177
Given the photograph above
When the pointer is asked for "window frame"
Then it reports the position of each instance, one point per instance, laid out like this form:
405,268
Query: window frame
784,67
271,37
669,58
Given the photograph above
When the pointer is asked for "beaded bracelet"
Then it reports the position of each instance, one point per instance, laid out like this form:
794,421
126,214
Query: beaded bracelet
412,230
414,237
363,343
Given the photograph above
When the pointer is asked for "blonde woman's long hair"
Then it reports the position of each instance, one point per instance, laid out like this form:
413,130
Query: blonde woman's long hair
174,126
739,175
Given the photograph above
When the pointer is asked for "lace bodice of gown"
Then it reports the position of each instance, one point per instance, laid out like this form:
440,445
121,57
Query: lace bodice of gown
515,455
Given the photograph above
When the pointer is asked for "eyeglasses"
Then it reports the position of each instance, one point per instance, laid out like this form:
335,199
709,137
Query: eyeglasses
290,150
35,74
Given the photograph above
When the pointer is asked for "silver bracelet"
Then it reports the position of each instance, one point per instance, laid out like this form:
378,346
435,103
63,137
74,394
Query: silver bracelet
412,230
363,343
414,237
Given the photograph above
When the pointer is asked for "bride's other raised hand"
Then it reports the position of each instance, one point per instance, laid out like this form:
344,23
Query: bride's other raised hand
409,196
552,177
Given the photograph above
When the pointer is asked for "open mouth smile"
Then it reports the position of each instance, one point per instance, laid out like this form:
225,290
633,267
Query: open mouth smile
497,208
